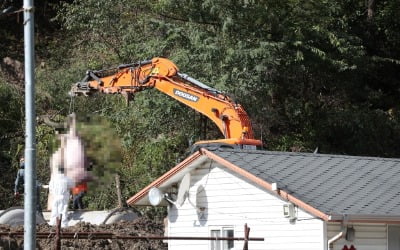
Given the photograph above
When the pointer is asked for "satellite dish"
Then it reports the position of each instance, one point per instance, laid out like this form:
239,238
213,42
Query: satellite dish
201,205
155,196
183,189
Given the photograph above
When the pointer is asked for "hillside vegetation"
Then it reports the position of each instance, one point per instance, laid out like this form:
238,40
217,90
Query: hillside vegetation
310,73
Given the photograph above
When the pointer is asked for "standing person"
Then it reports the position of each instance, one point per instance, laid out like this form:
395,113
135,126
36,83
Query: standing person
78,192
20,181
59,187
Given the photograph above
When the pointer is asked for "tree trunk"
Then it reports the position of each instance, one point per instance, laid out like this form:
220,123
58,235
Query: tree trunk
371,4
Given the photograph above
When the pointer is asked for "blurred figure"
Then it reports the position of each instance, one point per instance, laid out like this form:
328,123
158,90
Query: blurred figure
20,182
59,187
78,192
71,156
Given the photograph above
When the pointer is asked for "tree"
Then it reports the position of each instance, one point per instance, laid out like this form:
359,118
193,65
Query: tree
11,140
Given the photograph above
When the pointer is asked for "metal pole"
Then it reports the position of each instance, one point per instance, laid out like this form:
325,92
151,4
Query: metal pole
30,144
104,235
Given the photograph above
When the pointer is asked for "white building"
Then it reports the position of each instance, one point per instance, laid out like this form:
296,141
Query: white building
292,200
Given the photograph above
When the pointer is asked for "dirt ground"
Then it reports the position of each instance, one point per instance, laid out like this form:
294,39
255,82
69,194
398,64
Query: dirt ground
138,227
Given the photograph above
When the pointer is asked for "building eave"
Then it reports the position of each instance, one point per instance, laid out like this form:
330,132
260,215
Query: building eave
360,218
168,175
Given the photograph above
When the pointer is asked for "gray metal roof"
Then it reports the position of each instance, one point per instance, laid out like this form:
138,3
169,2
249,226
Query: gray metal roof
333,184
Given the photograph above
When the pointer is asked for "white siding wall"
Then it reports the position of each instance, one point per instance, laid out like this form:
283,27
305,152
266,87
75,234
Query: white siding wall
367,236
231,201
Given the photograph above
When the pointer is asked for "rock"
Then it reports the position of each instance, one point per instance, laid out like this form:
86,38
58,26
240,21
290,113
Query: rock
13,70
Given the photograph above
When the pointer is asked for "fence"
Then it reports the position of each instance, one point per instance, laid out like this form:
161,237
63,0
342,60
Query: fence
58,235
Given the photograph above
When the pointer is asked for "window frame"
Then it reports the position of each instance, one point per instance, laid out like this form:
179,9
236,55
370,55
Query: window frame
222,232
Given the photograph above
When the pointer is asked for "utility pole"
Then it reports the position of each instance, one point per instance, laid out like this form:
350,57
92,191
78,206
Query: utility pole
30,144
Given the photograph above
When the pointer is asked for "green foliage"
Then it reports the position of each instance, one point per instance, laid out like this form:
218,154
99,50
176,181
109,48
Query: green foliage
103,149
309,73
11,140
353,131
108,31
154,158
11,112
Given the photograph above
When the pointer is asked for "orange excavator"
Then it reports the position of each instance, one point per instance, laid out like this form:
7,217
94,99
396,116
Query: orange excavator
163,75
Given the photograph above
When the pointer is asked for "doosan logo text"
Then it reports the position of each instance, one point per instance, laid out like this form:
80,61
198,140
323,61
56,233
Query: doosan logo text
186,96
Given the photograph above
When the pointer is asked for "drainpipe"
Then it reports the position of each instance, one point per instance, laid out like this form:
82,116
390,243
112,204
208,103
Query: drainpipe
334,239
340,235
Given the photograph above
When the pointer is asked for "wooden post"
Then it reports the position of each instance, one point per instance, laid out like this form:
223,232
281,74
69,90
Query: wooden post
246,237
118,186
58,229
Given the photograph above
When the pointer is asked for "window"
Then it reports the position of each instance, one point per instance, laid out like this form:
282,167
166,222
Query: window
222,244
216,244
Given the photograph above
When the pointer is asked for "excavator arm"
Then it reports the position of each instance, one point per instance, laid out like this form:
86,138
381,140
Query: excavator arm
163,75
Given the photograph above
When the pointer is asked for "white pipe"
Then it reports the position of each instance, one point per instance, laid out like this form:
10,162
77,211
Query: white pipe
335,238
342,233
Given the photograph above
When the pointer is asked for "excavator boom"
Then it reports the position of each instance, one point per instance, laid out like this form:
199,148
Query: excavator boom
163,75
